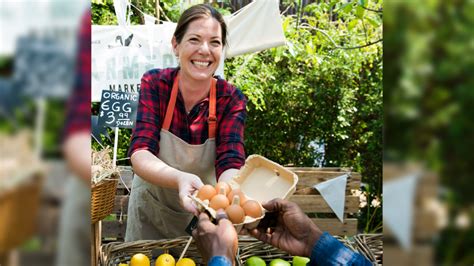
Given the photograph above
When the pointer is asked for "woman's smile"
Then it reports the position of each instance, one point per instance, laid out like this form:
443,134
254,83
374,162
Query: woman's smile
200,49
201,64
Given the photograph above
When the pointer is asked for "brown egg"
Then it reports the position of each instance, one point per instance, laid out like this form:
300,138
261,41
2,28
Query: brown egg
223,185
219,201
235,213
239,193
206,192
252,208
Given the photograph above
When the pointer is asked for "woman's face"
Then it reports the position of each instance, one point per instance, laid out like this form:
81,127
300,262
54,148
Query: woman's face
200,49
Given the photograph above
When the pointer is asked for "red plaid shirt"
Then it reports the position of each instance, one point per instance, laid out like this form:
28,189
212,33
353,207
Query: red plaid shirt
155,91
78,117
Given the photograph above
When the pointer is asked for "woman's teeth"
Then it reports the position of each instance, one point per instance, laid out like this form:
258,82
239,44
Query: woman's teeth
203,64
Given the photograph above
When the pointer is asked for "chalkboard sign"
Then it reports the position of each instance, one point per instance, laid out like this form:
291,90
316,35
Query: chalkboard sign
43,68
118,109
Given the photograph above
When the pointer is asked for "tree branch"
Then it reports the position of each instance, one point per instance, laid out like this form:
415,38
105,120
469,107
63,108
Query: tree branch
358,47
373,10
305,25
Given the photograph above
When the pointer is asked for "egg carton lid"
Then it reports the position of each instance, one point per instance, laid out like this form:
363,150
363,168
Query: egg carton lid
263,180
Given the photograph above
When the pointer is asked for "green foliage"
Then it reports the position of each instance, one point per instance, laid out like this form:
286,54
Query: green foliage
316,89
103,12
429,99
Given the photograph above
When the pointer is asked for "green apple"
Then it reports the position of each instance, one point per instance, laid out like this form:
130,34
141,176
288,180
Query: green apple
300,261
279,262
255,261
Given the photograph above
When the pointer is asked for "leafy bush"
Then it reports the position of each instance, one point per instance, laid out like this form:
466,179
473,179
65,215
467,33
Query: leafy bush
322,87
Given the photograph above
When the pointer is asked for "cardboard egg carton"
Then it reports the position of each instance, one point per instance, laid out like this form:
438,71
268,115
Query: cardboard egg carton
261,180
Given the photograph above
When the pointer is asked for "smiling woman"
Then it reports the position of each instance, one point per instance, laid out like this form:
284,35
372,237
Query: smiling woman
189,129
199,54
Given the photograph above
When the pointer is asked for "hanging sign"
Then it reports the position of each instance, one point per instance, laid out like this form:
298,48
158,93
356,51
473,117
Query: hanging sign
120,56
118,109
42,68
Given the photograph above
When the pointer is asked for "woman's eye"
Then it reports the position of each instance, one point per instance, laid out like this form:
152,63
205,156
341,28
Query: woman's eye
216,43
194,40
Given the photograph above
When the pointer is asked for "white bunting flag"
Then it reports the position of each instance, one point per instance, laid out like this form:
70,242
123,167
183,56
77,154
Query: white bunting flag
398,207
121,7
149,20
255,27
334,193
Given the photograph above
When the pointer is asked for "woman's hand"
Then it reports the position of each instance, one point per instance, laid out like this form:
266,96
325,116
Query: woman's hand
187,185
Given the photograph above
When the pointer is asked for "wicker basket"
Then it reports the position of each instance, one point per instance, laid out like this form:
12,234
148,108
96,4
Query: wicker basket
120,252
18,211
371,246
102,199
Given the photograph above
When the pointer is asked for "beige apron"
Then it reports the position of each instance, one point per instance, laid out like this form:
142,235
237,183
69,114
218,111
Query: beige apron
155,212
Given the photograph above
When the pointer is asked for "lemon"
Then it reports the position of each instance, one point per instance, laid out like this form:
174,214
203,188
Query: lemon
140,259
165,260
185,262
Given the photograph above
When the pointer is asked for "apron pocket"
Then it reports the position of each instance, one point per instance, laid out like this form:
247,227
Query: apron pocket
173,223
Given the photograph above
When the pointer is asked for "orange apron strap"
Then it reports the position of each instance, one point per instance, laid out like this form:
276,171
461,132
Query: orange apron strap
171,104
212,120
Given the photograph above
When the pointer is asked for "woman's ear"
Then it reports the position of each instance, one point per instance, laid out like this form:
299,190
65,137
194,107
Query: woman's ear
174,43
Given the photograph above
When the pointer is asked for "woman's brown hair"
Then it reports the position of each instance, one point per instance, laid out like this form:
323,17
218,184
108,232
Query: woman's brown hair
197,12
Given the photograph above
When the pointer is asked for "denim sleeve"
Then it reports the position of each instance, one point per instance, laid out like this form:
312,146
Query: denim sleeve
219,261
329,251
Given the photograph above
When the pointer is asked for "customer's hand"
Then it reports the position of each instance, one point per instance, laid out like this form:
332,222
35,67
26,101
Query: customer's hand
294,232
216,240
187,185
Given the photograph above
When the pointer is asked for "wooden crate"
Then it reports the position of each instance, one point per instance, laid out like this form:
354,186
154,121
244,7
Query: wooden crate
425,226
308,198
314,205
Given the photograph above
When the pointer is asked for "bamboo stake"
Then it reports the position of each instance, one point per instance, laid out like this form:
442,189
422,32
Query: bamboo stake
158,11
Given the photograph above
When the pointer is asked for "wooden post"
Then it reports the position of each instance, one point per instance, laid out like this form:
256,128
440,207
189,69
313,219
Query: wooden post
4,258
158,11
96,242
93,247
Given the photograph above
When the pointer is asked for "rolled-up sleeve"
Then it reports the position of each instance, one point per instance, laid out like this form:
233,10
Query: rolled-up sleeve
146,134
230,151
329,251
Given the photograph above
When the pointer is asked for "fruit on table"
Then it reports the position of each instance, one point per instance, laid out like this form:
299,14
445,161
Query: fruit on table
255,261
185,262
165,260
140,259
252,208
300,261
279,262
206,192
235,213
